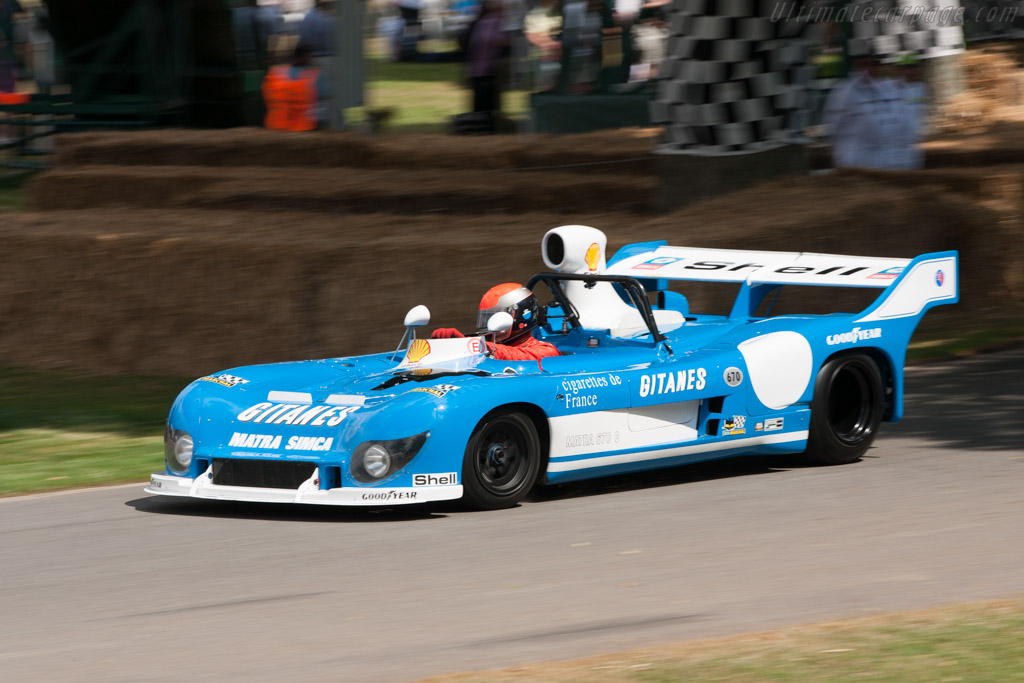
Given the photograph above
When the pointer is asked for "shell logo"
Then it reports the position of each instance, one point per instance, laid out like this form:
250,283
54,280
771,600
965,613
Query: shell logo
593,254
418,350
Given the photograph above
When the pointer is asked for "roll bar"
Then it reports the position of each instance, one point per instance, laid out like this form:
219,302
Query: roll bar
634,290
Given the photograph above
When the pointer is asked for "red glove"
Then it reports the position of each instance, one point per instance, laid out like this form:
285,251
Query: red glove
446,333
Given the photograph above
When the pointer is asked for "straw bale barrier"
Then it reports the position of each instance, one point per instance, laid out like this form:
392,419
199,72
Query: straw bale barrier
186,292
603,151
336,190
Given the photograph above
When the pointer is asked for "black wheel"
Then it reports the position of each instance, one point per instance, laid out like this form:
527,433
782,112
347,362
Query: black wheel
846,410
501,462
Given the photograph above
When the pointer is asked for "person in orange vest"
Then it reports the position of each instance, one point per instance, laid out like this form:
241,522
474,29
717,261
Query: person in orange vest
519,343
291,93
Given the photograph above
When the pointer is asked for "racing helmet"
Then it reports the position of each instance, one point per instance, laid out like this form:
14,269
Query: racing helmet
518,302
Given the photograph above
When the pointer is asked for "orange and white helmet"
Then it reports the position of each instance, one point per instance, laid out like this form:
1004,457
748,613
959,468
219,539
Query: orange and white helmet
517,301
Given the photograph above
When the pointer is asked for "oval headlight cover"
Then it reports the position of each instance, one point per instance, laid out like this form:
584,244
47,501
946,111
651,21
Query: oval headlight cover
376,461
372,461
178,448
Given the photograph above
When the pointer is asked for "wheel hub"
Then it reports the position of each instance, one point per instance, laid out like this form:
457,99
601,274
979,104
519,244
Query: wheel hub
497,453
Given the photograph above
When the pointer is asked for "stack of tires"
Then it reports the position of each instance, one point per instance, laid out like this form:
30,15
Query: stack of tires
735,78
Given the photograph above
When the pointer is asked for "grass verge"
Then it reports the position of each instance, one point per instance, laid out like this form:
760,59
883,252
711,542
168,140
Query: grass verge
422,97
59,431
945,342
976,642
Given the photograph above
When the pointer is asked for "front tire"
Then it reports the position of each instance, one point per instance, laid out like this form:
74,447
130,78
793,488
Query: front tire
846,410
502,461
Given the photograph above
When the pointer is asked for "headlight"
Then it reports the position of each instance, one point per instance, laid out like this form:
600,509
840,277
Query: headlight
376,461
178,447
372,461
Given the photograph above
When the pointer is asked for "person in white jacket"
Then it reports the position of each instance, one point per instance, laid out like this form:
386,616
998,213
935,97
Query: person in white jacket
913,94
862,118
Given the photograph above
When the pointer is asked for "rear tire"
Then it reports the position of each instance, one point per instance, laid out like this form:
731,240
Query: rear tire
846,410
502,461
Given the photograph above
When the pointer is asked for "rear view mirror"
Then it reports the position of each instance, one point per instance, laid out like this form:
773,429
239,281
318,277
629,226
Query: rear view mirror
499,323
418,316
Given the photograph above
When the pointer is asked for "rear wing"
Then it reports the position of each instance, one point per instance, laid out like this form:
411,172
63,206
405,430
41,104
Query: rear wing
756,267
912,285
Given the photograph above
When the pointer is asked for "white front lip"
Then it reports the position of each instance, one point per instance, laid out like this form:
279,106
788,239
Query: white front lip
203,487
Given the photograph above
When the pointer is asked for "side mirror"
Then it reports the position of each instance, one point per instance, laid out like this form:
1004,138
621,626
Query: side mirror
418,316
499,323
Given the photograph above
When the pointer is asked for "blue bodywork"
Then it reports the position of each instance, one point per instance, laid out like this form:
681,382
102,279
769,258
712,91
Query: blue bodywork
597,407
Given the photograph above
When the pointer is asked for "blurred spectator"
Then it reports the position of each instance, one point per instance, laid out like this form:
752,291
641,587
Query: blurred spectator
487,41
862,118
650,36
8,58
409,38
543,28
292,92
581,37
913,98
318,31
8,55
252,29
42,57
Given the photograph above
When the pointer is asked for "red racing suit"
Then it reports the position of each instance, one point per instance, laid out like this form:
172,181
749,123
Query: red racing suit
527,348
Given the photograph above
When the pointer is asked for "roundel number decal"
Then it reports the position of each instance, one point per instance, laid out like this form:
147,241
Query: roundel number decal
733,376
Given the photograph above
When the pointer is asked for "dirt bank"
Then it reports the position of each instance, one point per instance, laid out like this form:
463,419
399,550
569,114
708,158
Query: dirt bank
188,291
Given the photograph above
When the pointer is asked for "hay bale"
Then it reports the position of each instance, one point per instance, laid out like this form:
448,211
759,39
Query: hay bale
191,291
335,190
603,151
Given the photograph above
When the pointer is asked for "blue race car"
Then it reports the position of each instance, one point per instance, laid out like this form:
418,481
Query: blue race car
636,386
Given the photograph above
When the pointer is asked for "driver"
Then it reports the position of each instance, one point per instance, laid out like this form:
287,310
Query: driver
518,343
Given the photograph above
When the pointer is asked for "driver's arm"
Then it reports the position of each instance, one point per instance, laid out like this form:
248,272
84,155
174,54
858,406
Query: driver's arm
534,350
446,333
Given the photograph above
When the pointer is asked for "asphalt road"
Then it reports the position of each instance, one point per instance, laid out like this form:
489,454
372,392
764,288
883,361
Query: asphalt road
115,585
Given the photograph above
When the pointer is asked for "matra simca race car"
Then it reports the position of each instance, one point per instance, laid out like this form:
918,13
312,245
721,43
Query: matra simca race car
641,382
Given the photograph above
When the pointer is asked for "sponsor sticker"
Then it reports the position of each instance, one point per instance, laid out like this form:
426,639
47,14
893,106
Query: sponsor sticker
224,380
593,254
446,479
418,350
585,440
673,382
575,386
940,278
438,390
772,424
655,263
389,495
273,442
296,414
853,336
734,425
733,376
887,274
